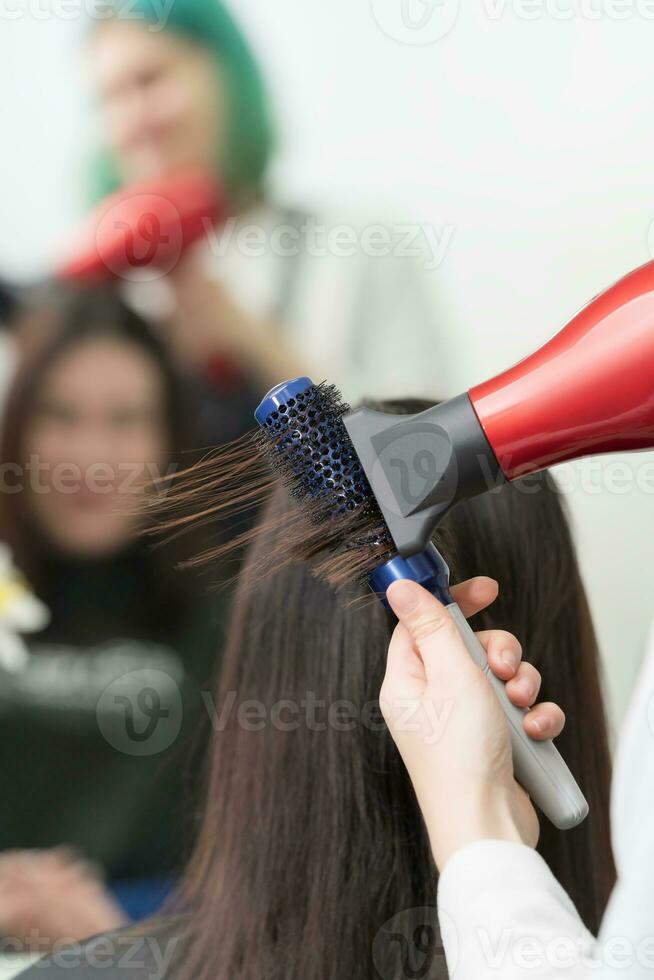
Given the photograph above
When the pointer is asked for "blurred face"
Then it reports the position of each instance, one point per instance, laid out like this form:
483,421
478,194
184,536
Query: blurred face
96,436
160,100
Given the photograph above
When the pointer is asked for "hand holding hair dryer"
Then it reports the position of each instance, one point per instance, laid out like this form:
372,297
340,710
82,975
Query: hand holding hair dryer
589,391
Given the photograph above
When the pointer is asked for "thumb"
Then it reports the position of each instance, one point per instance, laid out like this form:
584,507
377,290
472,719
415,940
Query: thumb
432,630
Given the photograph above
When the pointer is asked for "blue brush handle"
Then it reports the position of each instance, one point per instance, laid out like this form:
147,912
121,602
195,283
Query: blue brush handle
538,766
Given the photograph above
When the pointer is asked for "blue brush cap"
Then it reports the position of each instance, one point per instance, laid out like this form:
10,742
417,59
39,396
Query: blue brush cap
428,568
280,395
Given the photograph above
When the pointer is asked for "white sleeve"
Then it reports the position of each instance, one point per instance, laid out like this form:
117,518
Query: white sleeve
627,932
504,915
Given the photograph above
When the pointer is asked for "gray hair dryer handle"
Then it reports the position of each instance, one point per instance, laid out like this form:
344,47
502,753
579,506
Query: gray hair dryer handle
538,766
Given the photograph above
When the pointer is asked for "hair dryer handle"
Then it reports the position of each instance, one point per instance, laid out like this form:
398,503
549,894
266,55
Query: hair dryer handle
589,391
538,766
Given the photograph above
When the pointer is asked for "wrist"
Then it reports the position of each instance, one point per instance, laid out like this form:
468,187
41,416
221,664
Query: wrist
462,818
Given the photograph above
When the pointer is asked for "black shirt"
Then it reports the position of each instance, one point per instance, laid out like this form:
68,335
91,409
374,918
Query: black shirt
102,732
153,951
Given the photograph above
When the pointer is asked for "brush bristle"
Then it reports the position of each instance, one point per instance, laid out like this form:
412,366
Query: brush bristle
309,447
335,524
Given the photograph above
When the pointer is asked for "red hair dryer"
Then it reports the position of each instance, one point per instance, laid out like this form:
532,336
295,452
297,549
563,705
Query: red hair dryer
590,390
144,226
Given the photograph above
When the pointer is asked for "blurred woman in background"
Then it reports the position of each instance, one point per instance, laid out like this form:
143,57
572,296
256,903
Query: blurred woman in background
182,90
94,725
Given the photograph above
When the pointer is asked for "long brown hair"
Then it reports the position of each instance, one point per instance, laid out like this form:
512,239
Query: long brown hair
312,841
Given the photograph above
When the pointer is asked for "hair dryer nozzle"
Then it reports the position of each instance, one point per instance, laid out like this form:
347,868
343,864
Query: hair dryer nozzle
419,466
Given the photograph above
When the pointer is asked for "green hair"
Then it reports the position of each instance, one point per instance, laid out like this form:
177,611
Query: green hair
249,137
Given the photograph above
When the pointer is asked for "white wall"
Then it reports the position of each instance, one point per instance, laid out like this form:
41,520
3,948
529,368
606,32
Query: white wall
531,137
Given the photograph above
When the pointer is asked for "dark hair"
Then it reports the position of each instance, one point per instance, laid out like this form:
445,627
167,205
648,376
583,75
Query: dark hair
312,839
54,323
8,302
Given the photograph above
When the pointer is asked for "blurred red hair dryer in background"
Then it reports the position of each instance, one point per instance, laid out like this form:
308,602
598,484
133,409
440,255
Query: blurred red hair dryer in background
144,226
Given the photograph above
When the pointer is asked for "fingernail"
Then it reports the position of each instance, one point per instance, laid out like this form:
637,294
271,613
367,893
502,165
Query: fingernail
540,725
526,687
510,659
403,597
